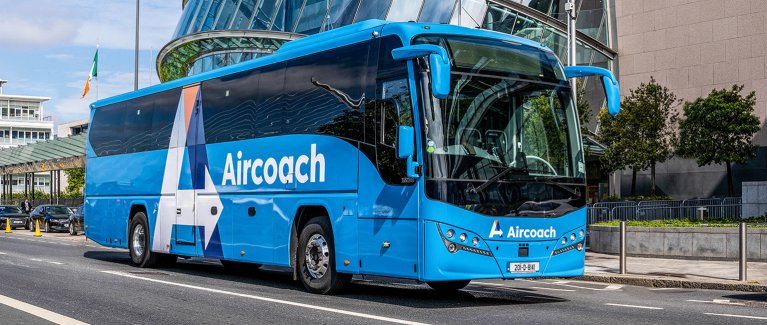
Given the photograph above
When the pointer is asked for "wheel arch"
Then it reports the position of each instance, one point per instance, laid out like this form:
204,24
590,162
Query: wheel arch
303,214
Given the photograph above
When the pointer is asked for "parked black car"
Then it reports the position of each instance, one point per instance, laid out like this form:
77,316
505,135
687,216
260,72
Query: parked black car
51,217
18,218
76,222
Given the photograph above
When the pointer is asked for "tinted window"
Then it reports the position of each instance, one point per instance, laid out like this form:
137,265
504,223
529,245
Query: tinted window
137,125
390,108
241,106
106,133
325,92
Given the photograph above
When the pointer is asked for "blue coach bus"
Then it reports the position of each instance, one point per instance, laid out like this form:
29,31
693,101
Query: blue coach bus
428,152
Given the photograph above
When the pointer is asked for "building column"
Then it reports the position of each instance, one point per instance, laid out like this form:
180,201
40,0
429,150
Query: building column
50,189
32,185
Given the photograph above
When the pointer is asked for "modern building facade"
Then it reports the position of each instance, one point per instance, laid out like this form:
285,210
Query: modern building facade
72,128
692,47
22,121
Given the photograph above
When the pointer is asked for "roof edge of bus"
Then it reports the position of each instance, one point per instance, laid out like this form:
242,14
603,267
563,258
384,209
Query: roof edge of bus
309,43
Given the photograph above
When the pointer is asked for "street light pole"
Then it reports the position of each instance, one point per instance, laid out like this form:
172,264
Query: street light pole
572,14
135,66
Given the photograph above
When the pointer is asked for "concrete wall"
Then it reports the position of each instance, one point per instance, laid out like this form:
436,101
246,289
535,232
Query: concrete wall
754,199
692,47
676,242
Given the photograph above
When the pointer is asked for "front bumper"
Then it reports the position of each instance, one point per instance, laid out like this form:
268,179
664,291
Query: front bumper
490,259
15,222
62,226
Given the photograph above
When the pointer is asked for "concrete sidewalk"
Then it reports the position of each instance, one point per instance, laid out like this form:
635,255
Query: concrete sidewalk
662,272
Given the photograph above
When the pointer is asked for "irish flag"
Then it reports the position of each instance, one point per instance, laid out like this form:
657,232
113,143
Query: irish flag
94,73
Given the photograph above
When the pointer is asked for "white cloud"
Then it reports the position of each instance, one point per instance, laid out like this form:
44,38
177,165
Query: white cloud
46,23
59,56
28,32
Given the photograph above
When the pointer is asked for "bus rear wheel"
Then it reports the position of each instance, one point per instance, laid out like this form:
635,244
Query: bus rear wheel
448,286
316,261
138,245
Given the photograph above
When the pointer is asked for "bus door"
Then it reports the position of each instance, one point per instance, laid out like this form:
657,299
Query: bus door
185,233
388,219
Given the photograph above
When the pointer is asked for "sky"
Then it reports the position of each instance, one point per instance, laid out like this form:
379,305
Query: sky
47,48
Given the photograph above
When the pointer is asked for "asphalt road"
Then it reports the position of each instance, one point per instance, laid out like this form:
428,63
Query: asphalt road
73,280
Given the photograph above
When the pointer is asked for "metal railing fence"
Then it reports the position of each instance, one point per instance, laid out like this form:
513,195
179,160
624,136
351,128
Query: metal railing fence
713,208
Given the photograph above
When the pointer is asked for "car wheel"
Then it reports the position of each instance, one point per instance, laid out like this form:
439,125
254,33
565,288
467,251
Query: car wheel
316,259
26,226
32,225
47,227
448,286
72,231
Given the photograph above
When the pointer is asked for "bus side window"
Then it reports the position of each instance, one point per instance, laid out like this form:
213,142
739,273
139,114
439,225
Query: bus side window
396,110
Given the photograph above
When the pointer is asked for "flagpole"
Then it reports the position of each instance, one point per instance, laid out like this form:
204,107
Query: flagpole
97,75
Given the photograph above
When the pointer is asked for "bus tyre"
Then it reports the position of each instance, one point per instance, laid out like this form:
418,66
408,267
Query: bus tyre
138,243
316,259
448,286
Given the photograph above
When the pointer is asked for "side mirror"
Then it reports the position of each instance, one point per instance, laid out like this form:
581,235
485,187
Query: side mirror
439,63
405,141
612,90
406,147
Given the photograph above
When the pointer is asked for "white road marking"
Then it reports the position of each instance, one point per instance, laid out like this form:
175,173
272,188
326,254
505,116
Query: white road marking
35,259
39,312
477,291
611,287
488,283
278,301
552,289
1,253
718,302
634,306
57,263
660,289
738,316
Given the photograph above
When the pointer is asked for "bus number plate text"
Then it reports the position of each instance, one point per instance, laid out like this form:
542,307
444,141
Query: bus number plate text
530,267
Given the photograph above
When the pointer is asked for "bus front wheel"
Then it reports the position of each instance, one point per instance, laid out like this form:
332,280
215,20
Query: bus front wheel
316,259
138,245
447,286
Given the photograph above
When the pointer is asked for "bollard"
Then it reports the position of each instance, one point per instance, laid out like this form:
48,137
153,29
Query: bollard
623,248
743,251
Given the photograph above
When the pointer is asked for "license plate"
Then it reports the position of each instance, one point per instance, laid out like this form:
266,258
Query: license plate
528,267
17,222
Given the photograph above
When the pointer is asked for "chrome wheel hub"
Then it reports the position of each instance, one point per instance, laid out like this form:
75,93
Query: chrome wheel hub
138,240
317,256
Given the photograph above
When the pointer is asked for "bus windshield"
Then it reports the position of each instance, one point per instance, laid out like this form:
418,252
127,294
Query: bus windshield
509,117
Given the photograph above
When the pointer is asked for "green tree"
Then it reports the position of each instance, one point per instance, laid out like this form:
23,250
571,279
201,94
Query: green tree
584,109
643,134
719,129
75,180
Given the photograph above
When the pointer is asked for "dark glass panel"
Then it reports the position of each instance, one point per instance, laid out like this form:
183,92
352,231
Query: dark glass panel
312,16
372,9
241,106
325,92
341,13
264,14
186,17
437,11
106,133
199,17
243,15
227,14
210,17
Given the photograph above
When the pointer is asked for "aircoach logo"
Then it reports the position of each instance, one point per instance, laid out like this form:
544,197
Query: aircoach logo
516,232
304,169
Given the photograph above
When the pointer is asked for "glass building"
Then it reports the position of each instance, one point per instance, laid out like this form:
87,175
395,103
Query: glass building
216,33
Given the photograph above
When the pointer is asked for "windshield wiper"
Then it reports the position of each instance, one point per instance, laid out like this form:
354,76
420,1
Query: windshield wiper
499,176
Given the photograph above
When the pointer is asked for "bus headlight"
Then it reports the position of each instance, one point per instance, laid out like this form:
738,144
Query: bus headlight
572,237
475,241
450,233
462,237
579,246
580,233
564,241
